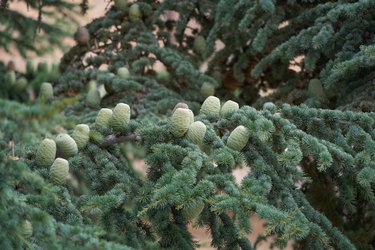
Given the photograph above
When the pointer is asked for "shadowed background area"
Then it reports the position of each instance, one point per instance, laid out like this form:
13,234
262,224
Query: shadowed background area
97,8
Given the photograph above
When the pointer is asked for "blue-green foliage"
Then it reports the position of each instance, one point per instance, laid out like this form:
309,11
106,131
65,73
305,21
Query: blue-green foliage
312,169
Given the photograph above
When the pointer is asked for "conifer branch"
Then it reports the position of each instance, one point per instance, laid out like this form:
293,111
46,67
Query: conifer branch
113,139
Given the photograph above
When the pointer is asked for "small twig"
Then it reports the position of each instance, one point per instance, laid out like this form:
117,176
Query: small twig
11,146
113,139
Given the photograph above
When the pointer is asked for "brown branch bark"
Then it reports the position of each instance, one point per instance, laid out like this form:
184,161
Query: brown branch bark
113,139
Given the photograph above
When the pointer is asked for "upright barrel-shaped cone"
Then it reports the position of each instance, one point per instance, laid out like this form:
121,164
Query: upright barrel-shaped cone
93,98
196,132
181,105
120,116
135,13
238,139
81,135
66,146
59,171
26,228
180,121
103,118
199,45
123,72
228,107
121,5
191,116
46,91
20,84
315,88
10,77
46,153
82,36
207,89
210,106
193,212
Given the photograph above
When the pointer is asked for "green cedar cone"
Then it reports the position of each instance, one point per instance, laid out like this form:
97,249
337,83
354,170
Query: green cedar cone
103,118
66,146
228,107
196,132
46,153
191,116
82,36
81,135
108,85
123,72
180,121
42,67
91,85
93,98
135,13
217,75
120,116
315,88
98,60
269,106
30,67
10,77
26,229
199,45
59,171
181,105
210,105
193,212
162,75
46,91
20,84
121,5
207,89
238,139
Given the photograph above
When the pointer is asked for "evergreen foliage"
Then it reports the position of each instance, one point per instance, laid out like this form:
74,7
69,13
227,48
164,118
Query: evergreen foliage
310,148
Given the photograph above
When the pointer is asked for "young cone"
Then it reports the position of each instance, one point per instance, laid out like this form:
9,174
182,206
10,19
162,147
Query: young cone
193,212
196,132
210,106
228,107
81,135
26,228
91,85
82,36
93,98
20,84
207,89
46,91
135,13
199,45
59,171
180,121
120,116
315,88
66,146
46,153
123,72
180,105
103,118
238,139
10,77
121,5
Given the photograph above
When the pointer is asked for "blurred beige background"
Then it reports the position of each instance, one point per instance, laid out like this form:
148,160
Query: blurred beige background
97,8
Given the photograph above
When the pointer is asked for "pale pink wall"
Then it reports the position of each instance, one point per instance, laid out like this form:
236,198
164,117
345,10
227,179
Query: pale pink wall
97,9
